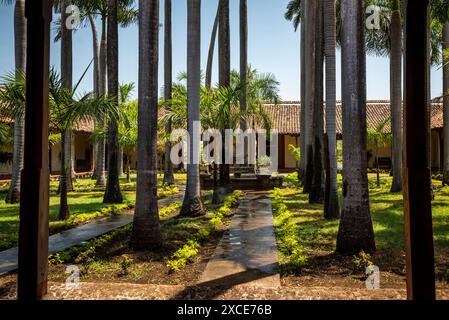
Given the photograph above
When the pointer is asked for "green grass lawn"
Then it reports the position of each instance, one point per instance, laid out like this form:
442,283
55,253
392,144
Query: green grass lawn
303,233
86,204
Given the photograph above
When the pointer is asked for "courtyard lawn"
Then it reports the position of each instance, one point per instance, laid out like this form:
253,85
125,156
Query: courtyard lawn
307,241
86,204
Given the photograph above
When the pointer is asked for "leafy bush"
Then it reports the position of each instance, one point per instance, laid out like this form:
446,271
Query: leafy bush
362,260
287,234
180,258
166,211
125,263
264,161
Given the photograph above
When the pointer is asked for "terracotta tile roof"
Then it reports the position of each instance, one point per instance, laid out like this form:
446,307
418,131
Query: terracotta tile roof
286,115
86,126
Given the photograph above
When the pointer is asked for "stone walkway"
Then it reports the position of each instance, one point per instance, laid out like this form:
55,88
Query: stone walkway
247,253
128,291
78,235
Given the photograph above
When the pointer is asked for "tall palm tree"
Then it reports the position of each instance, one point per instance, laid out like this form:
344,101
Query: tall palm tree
446,102
440,13
210,56
355,231
224,62
331,202
20,43
396,92
96,77
168,80
244,64
127,15
192,204
113,193
310,90
146,232
65,110
302,125
317,189
67,81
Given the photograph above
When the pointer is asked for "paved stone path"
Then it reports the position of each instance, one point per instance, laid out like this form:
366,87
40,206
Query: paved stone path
127,291
247,253
78,235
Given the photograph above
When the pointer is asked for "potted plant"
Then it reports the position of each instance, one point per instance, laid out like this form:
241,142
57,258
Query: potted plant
263,166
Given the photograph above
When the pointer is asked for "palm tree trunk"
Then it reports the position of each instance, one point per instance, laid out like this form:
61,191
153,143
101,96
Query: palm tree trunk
128,168
331,202
317,191
67,82
244,66
146,232
120,161
101,154
396,94
446,106
20,44
64,212
302,142
192,204
168,80
113,193
310,87
210,57
355,231
377,169
224,61
96,81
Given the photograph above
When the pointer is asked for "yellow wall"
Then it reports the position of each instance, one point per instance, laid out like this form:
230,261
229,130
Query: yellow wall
290,161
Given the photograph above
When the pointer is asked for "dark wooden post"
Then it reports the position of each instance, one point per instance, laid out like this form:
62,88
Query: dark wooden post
33,234
417,175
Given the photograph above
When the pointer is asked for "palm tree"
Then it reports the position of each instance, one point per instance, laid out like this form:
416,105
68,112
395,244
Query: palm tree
210,57
127,134
96,77
146,232
243,62
224,62
296,12
168,57
66,76
192,204
379,137
355,231
331,202
396,92
440,13
317,189
66,110
446,102
127,15
20,43
310,91
113,193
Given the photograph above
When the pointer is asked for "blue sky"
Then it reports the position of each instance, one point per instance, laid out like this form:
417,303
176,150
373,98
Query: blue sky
273,47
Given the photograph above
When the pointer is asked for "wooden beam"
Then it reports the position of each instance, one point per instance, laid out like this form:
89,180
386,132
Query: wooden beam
33,232
417,176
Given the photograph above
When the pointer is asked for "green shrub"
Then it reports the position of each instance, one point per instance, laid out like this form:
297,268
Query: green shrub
362,260
182,256
287,234
125,263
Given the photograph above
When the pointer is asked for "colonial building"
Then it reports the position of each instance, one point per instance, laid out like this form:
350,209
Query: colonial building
286,119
